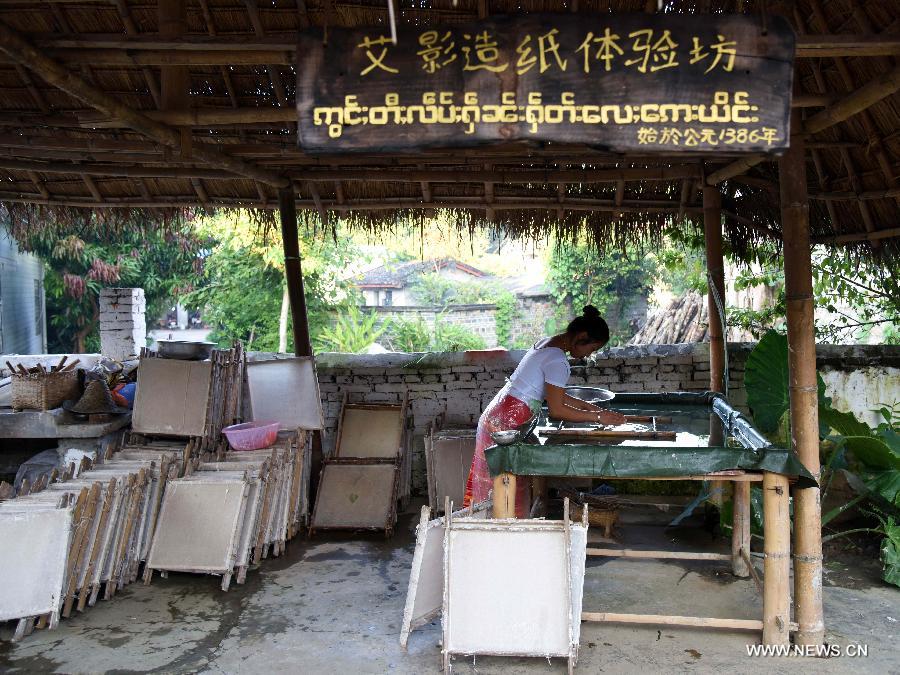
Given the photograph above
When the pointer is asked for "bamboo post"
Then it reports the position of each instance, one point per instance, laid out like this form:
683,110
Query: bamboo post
505,496
287,211
715,267
777,564
803,390
740,529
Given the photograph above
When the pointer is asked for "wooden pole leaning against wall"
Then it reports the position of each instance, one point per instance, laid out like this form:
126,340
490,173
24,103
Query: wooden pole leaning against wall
803,390
287,212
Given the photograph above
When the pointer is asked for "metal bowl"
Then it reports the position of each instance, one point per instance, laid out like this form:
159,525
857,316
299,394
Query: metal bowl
507,437
184,349
590,394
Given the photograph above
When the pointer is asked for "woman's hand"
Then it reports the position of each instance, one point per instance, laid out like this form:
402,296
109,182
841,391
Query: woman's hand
610,417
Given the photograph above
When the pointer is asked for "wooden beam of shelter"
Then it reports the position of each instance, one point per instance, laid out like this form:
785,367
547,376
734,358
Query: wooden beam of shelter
859,236
22,51
859,100
118,170
807,46
850,105
585,176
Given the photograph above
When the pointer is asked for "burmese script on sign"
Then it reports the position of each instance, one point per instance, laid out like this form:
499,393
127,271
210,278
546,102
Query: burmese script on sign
631,81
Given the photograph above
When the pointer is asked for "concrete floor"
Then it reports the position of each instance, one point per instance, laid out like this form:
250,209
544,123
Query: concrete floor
334,605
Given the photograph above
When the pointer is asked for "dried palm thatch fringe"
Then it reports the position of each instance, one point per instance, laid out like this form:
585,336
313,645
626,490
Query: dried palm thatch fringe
42,124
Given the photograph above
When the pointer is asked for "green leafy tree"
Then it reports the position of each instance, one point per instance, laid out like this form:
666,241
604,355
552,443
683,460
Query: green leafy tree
612,281
242,294
83,258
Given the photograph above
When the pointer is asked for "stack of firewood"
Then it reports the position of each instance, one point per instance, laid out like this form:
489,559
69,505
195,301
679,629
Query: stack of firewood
685,320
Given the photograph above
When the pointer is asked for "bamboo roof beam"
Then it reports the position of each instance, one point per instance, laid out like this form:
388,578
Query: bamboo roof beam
92,187
501,176
850,105
143,189
39,184
425,186
504,204
200,189
807,46
877,235
866,195
855,103
866,119
223,70
303,14
35,93
53,73
134,171
273,72
132,29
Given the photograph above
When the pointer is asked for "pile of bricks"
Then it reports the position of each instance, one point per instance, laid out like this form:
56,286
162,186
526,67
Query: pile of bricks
123,326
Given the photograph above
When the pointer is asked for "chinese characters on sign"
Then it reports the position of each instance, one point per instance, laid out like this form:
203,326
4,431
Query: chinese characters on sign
666,82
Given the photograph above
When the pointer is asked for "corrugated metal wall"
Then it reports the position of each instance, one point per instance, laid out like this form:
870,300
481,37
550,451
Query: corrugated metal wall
23,327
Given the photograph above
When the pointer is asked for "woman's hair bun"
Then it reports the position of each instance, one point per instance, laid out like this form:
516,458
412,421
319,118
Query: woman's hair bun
590,312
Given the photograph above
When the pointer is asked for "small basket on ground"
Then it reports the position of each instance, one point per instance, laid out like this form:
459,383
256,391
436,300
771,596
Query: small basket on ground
252,435
44,391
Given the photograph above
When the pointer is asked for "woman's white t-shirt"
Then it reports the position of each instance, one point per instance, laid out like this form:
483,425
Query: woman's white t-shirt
541,365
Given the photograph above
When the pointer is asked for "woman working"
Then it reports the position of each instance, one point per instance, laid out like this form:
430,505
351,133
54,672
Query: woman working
541,375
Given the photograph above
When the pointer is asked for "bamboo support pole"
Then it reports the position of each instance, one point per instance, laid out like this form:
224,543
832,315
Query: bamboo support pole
505,496
803,393
777,564
655,555
669,620
287,212
715,267
740,532
20,50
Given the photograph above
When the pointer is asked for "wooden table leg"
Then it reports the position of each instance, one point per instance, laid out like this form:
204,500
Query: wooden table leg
740,530
505,496
539,497
777,566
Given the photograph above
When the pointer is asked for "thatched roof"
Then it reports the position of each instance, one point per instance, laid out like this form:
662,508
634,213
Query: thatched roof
58,152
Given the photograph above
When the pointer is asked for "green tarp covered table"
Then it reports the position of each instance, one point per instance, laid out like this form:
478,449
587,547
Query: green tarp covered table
746,458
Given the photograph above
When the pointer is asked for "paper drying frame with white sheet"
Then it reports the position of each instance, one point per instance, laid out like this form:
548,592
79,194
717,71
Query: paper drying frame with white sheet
286,391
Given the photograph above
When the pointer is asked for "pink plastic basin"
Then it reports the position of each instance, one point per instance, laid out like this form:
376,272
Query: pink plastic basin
251,435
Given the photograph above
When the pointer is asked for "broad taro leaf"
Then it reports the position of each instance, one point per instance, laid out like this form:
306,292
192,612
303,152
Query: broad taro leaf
873,453
766,380
890,553
844,423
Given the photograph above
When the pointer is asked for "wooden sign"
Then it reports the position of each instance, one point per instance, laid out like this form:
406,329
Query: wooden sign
664,83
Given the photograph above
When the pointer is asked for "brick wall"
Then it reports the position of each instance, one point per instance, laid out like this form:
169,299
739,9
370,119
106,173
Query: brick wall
462,384
535,318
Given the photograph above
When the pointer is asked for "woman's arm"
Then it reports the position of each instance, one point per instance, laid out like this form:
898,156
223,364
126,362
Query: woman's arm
560,408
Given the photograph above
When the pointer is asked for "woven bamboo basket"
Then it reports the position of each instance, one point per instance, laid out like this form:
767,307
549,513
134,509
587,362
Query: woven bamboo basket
44,391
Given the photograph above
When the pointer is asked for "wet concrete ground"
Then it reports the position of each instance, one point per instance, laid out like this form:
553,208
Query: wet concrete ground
334,605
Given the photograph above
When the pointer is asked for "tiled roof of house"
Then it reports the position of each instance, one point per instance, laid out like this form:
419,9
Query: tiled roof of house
399,275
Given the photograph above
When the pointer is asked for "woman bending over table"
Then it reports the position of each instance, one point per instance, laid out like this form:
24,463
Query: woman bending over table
541,375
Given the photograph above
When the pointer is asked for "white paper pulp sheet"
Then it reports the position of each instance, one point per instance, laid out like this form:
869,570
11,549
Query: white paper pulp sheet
426,577
509,591
172,397
34,547
355,495
370,433
199,526
286,391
